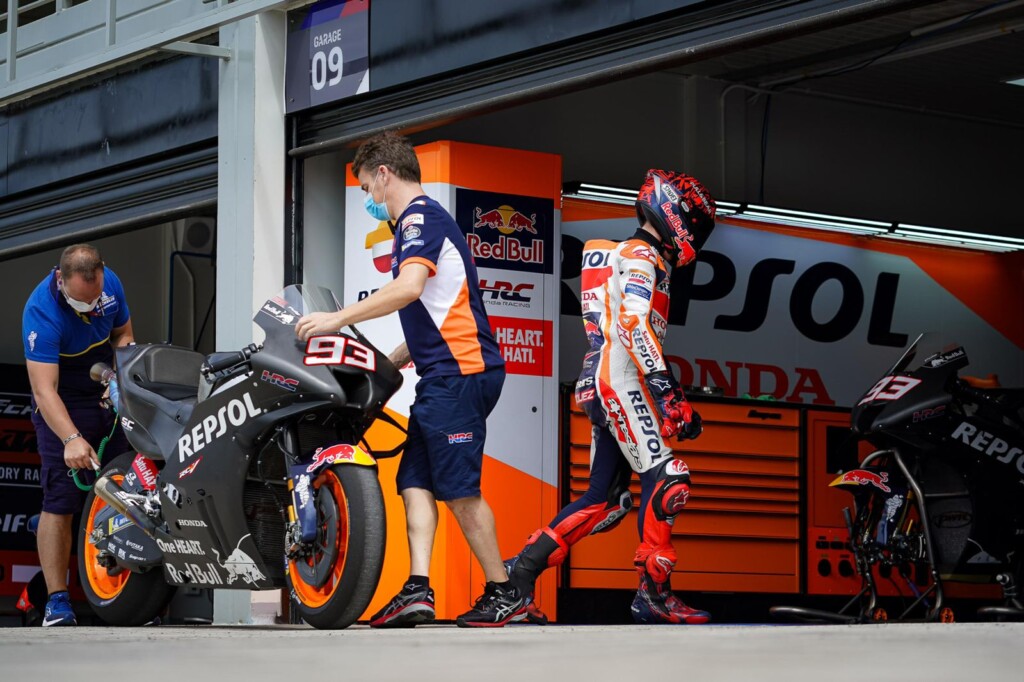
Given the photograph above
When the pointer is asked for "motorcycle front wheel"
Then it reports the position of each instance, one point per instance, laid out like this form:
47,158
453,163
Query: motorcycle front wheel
335,583
125,598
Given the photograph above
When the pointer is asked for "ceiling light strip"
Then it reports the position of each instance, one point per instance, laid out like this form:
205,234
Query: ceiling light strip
923,239
821,216
971,235
823,221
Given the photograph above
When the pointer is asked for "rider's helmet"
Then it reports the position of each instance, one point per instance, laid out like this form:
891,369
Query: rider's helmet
682,211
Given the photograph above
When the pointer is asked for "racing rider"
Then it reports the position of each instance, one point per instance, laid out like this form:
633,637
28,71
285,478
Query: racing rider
634,402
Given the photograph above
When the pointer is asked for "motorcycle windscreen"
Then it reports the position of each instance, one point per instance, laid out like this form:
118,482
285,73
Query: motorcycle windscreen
366,376
915,381
292,303
919,386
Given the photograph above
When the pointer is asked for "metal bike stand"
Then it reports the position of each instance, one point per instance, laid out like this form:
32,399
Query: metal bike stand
933,611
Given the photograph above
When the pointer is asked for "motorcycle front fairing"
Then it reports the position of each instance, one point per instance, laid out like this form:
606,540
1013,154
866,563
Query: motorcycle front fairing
910,401
337,382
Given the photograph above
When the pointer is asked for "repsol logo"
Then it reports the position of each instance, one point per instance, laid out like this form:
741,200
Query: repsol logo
856,299
990,444
647,426
213,426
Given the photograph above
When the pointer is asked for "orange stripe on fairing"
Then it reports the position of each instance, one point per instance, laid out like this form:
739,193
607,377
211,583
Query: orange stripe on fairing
487,169
459,330
982,281
422,261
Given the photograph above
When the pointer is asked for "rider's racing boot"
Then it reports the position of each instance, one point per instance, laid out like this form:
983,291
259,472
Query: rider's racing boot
654,603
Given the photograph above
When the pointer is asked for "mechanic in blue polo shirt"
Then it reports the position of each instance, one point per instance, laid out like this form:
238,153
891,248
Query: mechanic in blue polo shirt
436,291
74,318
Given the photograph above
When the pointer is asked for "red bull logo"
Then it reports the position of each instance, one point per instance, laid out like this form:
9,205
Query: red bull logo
505,219
506,249
864,477
330,456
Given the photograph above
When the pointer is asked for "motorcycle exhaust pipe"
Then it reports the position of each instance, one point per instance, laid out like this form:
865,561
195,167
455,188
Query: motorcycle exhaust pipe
110,492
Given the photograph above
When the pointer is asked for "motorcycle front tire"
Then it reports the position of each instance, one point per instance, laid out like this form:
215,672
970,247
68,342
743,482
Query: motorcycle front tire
128,598
357,548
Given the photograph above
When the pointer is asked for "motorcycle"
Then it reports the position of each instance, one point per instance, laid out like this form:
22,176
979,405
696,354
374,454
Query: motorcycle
942,498
251,472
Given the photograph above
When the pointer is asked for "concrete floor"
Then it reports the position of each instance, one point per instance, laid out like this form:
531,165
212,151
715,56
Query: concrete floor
973,652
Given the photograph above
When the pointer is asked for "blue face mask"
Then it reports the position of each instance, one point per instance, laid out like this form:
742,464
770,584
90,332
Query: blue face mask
377,211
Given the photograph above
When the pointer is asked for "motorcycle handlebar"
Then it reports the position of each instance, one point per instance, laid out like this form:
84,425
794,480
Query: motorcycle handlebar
219,362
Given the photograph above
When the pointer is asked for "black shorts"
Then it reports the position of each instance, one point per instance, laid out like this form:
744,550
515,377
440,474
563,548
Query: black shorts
447,428
60,494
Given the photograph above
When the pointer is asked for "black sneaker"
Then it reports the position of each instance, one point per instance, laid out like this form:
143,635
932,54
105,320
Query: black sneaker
533,613
410,607
495,607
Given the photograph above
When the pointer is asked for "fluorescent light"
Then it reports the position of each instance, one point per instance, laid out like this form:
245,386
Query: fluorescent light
618,190
601,196
951,240
764,216
726,207
1015,81
936,236
822,216
1011,241
927,239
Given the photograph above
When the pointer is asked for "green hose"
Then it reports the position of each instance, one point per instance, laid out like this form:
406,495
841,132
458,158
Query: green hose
99,456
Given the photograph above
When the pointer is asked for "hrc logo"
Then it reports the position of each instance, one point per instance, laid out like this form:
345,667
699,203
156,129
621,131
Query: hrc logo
460,438
278,380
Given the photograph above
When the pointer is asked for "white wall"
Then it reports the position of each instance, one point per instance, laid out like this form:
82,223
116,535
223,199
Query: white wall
323,232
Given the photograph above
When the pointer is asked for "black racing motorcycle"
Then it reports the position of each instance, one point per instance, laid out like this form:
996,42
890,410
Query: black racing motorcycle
942,498
251,472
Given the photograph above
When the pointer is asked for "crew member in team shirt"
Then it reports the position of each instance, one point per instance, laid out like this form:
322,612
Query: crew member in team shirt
448,337
75,317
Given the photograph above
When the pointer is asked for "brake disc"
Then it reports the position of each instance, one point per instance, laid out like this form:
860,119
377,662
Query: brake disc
318,566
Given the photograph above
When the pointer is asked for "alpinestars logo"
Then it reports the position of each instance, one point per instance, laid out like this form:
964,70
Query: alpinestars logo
235,413
661,384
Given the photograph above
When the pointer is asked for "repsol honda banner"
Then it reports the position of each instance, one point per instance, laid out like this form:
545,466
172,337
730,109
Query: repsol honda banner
505,203
807,317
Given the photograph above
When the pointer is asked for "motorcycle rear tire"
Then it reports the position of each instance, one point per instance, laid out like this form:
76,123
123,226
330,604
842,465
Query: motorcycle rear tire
127,599
362,535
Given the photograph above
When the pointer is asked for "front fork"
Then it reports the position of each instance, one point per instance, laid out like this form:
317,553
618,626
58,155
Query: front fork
302,512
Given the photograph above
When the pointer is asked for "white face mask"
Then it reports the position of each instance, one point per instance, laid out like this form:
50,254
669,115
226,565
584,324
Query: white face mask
78,306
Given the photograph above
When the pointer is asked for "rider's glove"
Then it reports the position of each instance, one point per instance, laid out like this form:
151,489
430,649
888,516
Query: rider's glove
677,416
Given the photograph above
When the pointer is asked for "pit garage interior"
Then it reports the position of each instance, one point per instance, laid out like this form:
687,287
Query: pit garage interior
877,119
905,113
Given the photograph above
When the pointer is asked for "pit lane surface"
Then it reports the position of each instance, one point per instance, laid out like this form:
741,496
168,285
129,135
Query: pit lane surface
973,652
